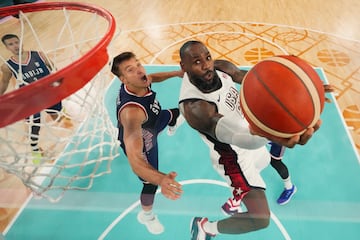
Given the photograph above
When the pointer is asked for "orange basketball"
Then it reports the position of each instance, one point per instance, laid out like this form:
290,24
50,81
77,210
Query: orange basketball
282,96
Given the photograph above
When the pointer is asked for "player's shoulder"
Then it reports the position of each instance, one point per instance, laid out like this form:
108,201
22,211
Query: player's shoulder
132,113
35,53
39,53
5,68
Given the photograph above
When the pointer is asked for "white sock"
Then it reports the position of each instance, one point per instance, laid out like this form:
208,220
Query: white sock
211,227
35,148
148,215
287,183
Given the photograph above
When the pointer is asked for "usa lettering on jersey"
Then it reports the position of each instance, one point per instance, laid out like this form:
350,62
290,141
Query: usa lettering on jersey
231,98
232,101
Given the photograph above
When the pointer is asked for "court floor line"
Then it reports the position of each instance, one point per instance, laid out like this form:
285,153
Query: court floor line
217,32
333,99
188,182
243,22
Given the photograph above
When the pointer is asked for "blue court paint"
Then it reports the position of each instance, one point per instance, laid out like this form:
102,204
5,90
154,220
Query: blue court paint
326,172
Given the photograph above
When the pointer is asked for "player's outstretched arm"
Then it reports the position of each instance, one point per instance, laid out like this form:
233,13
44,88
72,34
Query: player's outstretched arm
231,69
131,118
171,188
203,116
162,76
293,141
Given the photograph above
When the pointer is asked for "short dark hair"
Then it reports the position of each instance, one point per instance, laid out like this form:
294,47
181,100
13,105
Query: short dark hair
8,36
186,45
118,60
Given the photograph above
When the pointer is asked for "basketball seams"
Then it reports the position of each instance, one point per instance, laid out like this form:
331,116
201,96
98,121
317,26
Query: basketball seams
275,97
301,73
259,124
305,75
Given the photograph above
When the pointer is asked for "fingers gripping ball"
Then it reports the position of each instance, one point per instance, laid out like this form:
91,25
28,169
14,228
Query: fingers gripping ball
282,96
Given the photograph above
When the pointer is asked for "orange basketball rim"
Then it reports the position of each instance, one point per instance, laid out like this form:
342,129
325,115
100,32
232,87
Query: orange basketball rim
47,91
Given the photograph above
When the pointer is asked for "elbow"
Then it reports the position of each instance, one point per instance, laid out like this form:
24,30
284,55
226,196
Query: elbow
136,168
259,222
257,142
262,223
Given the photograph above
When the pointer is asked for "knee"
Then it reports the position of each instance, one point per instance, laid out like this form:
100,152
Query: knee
149,188
148,194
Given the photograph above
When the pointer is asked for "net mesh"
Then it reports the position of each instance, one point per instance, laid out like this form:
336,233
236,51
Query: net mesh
80,143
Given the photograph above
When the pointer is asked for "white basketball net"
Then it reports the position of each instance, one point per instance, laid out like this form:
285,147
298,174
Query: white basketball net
72,156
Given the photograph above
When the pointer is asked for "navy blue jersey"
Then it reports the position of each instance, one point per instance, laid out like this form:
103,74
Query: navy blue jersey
156,121
151,108
34,68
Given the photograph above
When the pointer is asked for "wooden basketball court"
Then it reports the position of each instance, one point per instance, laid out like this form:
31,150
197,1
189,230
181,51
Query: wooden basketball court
325,33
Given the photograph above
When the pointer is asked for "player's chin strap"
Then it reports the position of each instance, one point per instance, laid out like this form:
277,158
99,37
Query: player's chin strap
232,132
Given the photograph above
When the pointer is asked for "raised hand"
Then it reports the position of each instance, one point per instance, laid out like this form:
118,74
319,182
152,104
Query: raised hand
171,188
293,141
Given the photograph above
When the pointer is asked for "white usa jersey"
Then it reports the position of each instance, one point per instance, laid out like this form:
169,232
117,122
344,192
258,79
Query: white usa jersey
226,98
246,173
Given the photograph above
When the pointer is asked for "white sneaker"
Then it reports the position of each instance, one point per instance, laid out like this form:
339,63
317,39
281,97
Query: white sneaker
179,121
153,225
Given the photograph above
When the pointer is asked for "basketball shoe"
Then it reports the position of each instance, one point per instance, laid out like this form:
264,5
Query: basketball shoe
175,122
231,206
151,222
197,230
286,195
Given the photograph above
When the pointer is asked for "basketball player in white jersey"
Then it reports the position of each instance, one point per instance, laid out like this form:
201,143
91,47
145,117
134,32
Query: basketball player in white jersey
27,68
209,103
232,205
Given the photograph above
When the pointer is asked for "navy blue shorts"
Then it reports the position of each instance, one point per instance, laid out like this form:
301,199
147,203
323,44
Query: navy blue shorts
276,150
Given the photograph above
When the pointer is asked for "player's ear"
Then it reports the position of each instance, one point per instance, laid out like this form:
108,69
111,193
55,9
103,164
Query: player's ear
121,78
182,66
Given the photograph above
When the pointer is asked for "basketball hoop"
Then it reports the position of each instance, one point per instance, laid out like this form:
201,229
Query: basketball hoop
57,86
71,156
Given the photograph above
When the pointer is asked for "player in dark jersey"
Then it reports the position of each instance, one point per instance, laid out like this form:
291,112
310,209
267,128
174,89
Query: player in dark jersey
140,120
18,2
34,65
209,103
